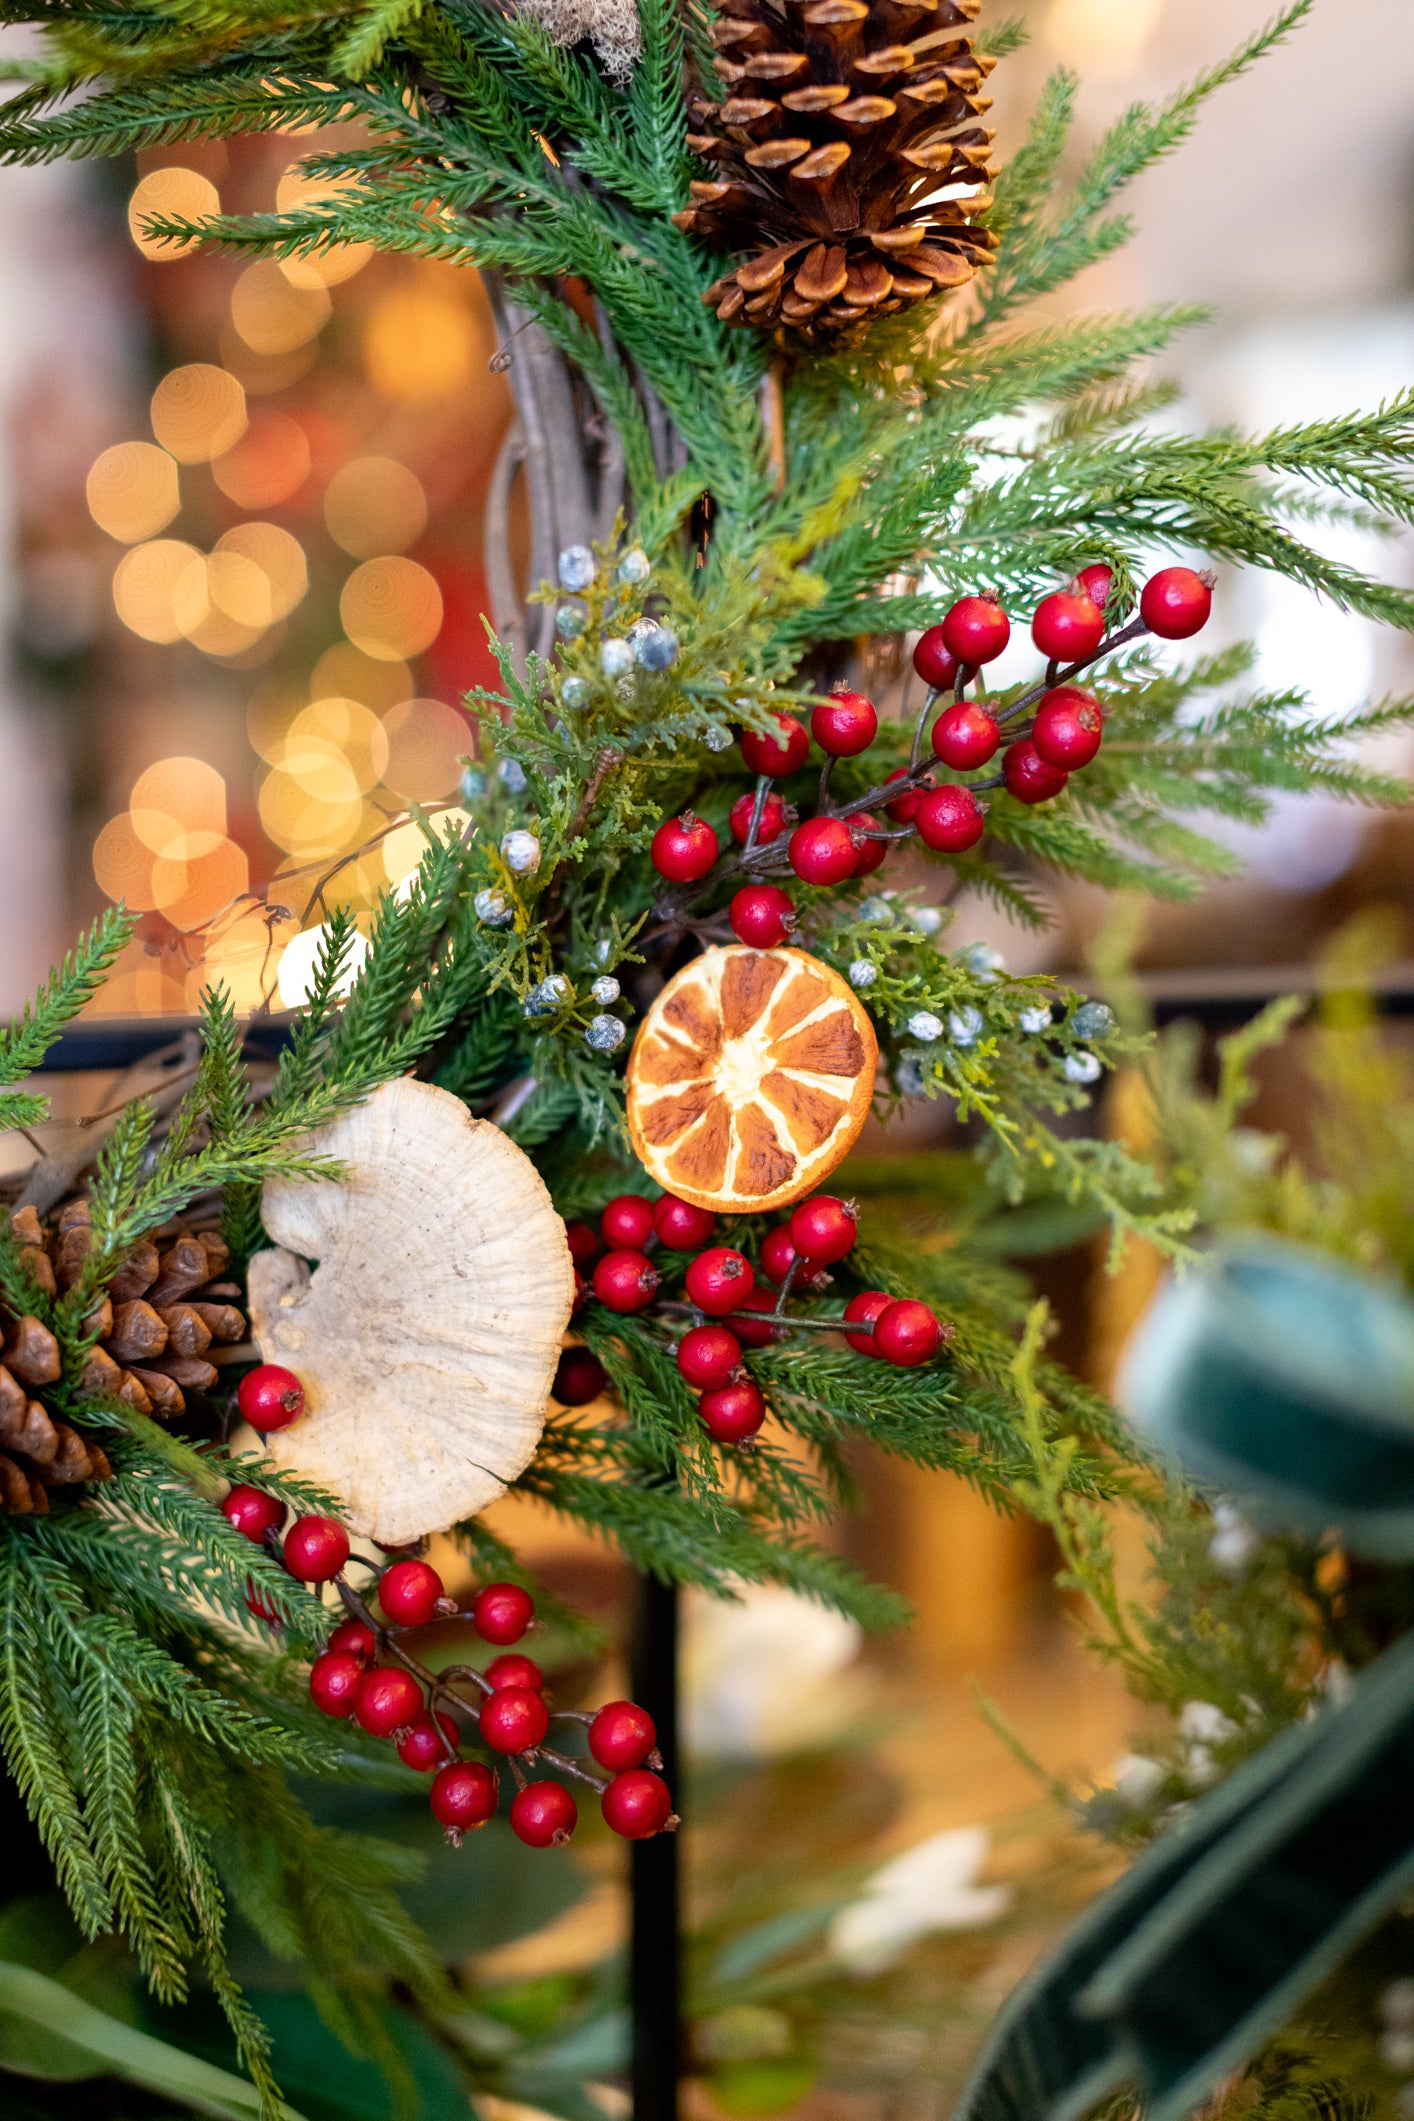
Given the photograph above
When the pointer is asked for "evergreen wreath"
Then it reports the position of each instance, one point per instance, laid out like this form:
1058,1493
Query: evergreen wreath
732,485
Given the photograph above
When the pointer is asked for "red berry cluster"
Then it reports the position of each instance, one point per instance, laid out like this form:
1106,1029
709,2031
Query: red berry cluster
365,1672
1053,730
720,1285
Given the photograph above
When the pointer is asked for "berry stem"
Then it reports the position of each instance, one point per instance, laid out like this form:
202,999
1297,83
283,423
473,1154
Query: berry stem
572,1767
786,1286
758,810
920,725
822,801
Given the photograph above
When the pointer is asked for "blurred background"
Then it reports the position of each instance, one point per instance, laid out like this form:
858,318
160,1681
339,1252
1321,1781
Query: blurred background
241,596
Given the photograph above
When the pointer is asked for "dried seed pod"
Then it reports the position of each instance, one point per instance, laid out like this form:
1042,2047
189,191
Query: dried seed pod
443,1244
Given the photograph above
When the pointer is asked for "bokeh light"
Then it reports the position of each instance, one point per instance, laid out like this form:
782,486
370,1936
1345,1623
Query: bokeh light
144,586
307,823
169,852
298,959
198,412
222,604
123,865
272,315
391,608
175,797
327,268
242,954
427,741
276,555
269,463
375,505
419,343
176,193
345,672
133,491
343,731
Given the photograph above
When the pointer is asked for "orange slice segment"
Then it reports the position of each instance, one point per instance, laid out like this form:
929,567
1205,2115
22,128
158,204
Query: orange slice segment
750,1079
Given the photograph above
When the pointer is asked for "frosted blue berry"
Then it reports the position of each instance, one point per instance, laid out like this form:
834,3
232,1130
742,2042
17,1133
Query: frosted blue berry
571,620
603,950
520,850
493,909
1037,1019
511,775
925,1026
473,784
576,567
1082,1067
605,1033
926,919
633,567
606,990
876,909
615,657
548,995
965,1026
862,974
657,649
982,959
908,1076
718,737
1093,1020
574,692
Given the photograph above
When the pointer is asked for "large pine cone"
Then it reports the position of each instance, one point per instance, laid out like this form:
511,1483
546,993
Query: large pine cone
844,120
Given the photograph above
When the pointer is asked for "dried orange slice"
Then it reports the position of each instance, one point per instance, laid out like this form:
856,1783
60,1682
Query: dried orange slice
750,1079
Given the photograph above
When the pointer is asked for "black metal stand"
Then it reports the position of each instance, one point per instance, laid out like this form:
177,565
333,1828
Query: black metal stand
655,1971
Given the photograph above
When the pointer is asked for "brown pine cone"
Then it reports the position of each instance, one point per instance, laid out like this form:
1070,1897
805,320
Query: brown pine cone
842,123
38,1453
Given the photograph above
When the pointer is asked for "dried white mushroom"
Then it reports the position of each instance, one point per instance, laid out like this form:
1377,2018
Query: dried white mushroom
427,1336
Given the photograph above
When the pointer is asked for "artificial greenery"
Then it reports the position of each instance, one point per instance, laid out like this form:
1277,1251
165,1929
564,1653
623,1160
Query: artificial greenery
772,507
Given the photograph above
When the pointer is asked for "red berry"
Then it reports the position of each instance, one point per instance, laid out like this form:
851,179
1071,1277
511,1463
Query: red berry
1067,627
822,851
976,630
581,1294
865,1308
464,1796
904,808
420,1746
637,1804
544,1815
868,853
315,1549
777,755
355,1638
718,1279
579,1377
1027,775
778,1256
625,1281
409,1591
270,1397
1175,603
732,1413
845,724
513,1719
502,1612
388,1699
762,915
582,1242
907,1334
627,1222
824,1228
334,1680
933,663
772,824
1096,582
259,1607
708,1355
950,819
746,1330
515,1670
622,1735
965,735
1068,727
683,848
253,1512
680,1226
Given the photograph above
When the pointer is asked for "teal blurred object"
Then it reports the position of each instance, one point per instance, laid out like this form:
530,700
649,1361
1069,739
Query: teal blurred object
1282,1376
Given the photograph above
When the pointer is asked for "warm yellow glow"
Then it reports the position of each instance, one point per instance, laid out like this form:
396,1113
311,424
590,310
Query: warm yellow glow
276,555
271,315
427,741
222,604
242,953
174,193
375,505
299,821
123,865
403,850
268,464
347,730
198,412
391,608
178,807
144,586
325,268
1104,37
270,709
298,960
192,892
133,491
345,672
419,343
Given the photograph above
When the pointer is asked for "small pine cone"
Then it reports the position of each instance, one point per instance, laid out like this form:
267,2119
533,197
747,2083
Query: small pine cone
38,1453
843,123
